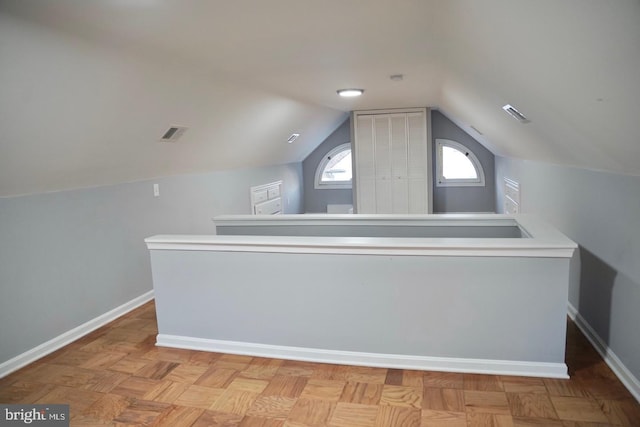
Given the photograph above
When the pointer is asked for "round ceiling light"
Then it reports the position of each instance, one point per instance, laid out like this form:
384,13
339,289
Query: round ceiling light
350,93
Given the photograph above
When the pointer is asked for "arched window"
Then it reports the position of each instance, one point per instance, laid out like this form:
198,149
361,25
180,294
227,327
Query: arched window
334,171
456,165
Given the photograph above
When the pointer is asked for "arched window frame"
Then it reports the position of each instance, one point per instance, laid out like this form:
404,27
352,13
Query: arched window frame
319,185
441,181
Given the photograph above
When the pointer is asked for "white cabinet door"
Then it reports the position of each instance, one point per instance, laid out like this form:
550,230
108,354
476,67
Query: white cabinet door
399,165
365,165
391,161
418,165
366,195
417,146
365,152
382,148
417,195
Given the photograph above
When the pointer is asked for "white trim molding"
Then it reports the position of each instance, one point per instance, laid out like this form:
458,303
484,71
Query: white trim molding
622,372
396,361
68,337
538,238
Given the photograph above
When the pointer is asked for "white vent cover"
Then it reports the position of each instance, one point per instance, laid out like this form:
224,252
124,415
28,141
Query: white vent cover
513,112
511,196
173,133
293,137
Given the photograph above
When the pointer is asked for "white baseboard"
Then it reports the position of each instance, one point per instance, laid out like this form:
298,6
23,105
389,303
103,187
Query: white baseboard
68,337
446,364
626,377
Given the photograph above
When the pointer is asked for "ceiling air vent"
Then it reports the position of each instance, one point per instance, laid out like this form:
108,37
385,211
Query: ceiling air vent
173,133
515,114
293,137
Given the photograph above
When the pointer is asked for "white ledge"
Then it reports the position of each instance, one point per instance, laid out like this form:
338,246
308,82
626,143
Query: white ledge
541,241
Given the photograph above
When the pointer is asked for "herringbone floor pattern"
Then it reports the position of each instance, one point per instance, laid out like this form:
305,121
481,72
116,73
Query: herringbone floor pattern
116,376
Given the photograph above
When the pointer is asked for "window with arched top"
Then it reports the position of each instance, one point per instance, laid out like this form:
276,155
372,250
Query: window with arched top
457,166
334,171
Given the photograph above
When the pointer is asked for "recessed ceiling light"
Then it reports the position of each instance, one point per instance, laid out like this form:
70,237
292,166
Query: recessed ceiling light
350,93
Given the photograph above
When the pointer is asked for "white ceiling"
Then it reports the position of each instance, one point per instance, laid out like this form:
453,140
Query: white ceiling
88,86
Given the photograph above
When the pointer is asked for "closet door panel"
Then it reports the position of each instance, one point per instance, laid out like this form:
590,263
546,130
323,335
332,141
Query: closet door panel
366,195
384,199
382,144
365,152
399,151
365,165
417,195
400,195
416,145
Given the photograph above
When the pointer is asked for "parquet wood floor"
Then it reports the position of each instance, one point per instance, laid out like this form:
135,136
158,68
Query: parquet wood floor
116,376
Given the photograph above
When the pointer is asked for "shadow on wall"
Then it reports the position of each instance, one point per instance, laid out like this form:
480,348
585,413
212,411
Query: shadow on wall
597,279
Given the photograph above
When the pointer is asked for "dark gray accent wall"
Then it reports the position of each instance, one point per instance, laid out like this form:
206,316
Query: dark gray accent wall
461,199
69,257
317,200
601,212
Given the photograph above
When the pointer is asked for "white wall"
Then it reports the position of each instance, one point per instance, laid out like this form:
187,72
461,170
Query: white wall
68,257
75,113
601,212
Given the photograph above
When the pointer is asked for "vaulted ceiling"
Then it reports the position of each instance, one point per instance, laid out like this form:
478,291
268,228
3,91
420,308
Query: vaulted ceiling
88,87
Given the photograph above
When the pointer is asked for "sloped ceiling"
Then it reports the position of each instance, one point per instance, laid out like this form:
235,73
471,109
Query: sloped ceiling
87,88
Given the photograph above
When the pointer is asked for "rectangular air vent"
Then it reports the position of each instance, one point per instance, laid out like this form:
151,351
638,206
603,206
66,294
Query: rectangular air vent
511,196
515,114
173,133
293,137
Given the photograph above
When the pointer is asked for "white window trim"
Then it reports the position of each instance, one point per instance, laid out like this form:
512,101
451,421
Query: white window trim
318,185
441,181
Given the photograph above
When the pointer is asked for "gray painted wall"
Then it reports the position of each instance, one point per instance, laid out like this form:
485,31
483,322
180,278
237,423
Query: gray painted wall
68,257
461,199
514,307
317,200
601,212
445,199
